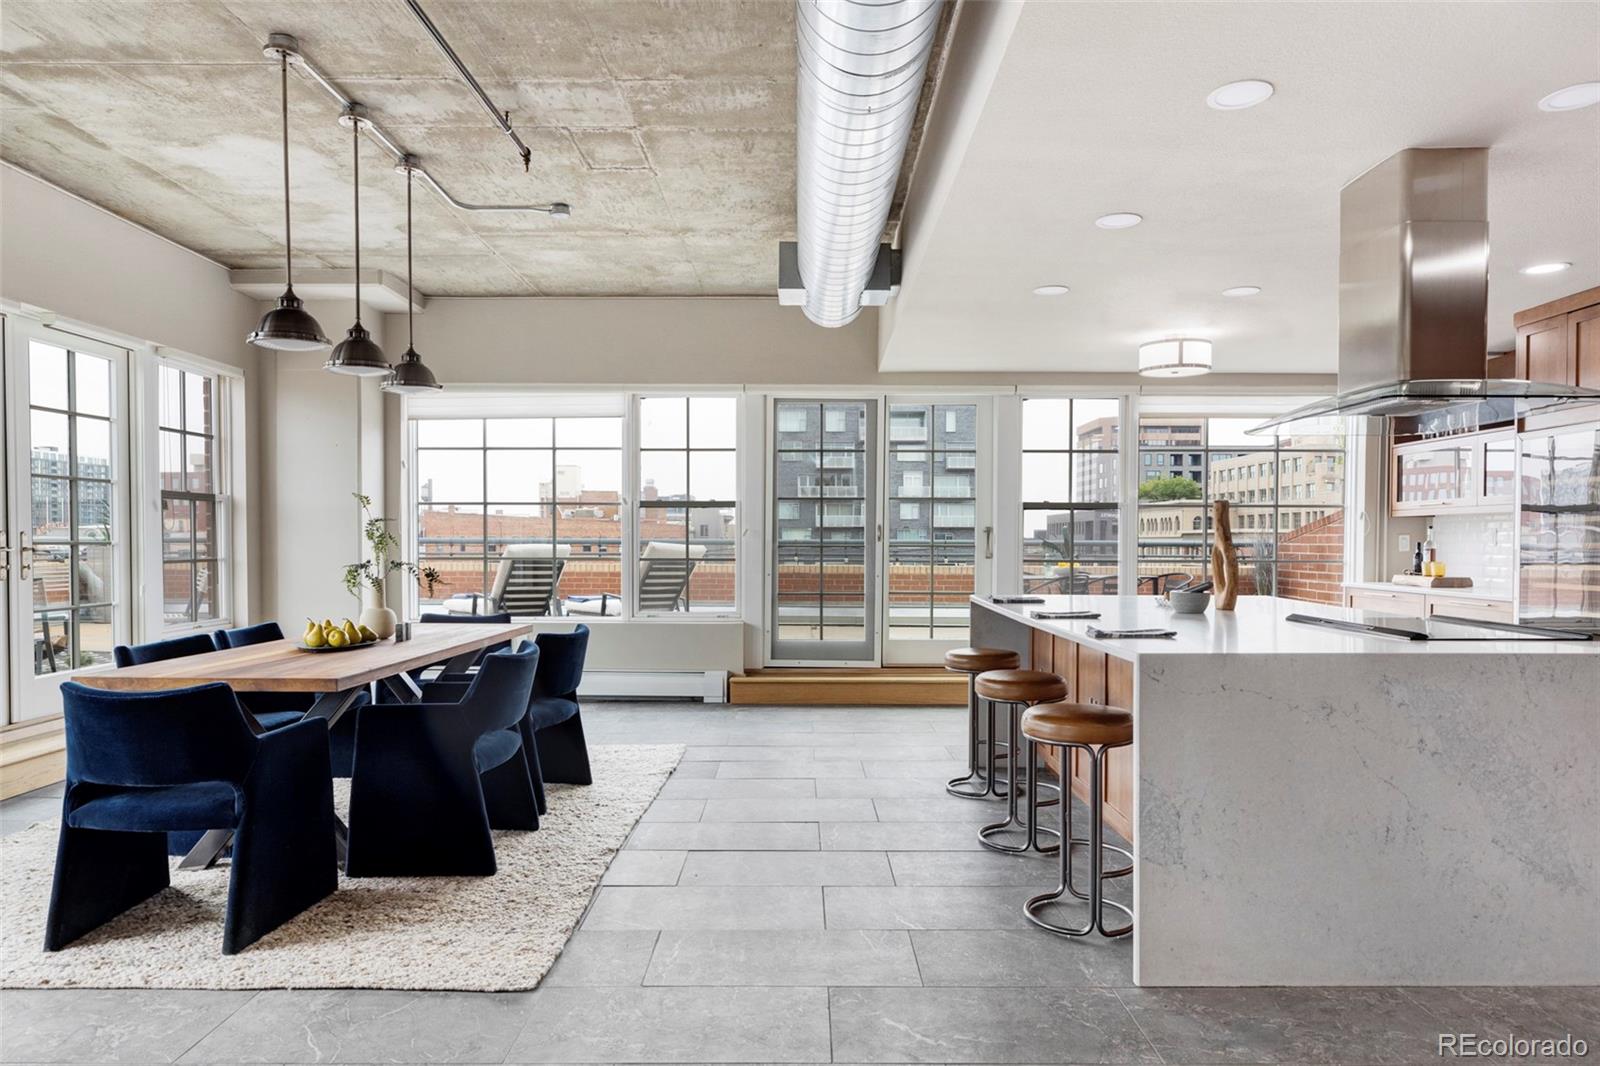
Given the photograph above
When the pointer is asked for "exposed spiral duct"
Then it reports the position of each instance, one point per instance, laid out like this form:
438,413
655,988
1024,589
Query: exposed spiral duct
861,67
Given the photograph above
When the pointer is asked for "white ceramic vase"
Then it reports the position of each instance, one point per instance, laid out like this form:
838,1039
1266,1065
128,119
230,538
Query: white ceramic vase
376,617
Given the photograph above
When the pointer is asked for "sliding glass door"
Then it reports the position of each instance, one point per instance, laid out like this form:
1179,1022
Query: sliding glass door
825,532
66,513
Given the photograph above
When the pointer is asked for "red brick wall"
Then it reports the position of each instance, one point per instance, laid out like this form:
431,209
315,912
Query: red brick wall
1311,560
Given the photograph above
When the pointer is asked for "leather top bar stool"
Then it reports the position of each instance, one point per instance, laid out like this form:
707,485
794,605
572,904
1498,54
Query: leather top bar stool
1020,689
1094,730
979,783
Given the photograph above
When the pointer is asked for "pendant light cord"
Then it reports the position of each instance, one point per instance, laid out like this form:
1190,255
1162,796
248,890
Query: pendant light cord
411,303
288,245
355,132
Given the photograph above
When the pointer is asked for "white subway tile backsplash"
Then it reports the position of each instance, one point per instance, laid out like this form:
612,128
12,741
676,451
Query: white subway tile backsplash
1477,546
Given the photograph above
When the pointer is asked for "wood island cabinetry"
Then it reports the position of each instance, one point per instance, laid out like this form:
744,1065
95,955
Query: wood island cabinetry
1093,677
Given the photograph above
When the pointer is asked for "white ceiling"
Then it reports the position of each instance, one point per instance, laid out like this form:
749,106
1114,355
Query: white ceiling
1100,107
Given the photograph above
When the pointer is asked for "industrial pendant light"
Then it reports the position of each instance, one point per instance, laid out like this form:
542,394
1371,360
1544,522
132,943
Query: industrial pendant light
358,354
410,375
288,327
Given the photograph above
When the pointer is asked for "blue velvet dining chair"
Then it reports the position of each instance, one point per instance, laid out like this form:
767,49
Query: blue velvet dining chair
275,709
142,765
553,726
434,617
433,778
160,651
271,709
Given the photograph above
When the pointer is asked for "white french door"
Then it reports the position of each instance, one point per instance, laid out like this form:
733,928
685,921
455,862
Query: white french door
824,548
881,527
66,511
938,533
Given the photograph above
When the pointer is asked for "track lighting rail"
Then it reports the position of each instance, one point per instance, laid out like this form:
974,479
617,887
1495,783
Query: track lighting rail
287,46
501,118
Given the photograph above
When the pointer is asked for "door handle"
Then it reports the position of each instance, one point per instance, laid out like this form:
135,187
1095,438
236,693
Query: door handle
880,532
5,552
988,542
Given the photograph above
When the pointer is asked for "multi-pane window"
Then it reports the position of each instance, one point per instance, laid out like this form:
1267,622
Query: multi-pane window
932,510
191,497
72,493
1295,550
688,511
523,511
1070,480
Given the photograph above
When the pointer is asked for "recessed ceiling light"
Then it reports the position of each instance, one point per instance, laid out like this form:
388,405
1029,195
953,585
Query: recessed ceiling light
1118,220
1238,95
1242,290
1583,94
1545,268
1051,290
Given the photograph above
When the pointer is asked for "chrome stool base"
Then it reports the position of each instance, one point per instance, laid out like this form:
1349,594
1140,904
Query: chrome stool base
1065,890
1028,784
1034,906
976,784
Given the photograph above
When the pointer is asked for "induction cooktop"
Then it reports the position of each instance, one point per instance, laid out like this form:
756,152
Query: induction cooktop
1437,627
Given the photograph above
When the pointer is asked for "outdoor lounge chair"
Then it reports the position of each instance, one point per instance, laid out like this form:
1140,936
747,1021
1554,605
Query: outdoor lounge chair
664,570
525,582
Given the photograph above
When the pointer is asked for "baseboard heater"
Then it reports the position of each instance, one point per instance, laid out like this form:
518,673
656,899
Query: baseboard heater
709,686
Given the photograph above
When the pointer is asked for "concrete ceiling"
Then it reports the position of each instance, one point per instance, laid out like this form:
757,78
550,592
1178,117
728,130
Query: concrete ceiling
668,125
1100,107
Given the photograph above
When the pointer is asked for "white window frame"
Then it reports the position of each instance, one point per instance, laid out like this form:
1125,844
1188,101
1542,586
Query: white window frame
500,402
226,413
1009,455
630,481
228,465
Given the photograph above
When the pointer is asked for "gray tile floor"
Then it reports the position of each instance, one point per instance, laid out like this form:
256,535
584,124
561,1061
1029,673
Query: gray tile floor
802,891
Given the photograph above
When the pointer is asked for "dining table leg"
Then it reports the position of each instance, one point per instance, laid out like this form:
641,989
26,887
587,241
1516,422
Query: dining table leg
403,688
207,850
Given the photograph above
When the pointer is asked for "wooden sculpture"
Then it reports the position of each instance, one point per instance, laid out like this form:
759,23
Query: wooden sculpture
1224,558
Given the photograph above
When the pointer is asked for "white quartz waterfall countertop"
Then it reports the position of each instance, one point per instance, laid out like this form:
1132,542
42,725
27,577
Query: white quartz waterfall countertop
1258,626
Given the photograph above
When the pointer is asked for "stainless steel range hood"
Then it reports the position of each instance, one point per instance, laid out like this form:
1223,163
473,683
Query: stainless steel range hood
1414,294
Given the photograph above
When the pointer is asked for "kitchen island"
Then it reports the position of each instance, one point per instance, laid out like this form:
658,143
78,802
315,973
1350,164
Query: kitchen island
1311,806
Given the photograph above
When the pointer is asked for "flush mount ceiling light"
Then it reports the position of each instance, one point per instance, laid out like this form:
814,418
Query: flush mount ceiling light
288,327
1242,290
1583,94
1051,290
410,375
1545,268
1238,95
1118,220
1178,358
358,354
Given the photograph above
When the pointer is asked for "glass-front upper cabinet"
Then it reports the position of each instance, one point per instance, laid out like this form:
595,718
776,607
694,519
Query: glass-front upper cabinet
1430,476
1468,472
1497,478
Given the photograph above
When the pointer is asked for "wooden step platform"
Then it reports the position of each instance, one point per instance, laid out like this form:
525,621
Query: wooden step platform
849,687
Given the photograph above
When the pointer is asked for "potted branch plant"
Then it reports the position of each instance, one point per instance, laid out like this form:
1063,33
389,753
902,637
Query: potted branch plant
372,574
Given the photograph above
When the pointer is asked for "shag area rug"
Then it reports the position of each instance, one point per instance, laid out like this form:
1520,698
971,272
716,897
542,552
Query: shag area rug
479,934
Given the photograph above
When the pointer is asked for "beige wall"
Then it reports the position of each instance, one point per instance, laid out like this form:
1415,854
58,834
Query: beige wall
323,439
70,258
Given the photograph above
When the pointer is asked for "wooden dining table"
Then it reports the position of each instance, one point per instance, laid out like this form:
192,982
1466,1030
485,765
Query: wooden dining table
335,678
